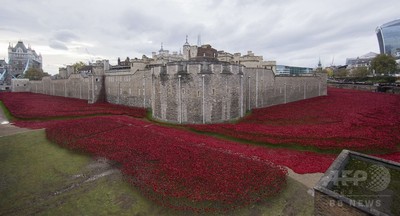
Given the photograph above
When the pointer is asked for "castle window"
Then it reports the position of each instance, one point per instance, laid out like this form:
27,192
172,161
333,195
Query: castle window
183,91
213,91
198,93
97,79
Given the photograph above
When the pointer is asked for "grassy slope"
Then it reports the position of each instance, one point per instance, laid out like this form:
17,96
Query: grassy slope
33,169
6,112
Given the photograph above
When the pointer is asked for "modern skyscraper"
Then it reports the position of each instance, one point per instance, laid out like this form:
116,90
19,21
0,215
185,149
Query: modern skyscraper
389,38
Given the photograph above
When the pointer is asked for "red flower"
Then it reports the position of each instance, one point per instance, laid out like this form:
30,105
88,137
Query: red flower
173,167
27,105
345,119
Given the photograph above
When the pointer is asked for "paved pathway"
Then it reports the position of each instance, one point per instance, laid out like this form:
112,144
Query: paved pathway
309,180
8,129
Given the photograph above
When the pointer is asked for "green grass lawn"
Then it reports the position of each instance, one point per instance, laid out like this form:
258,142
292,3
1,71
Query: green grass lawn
6,112
39,177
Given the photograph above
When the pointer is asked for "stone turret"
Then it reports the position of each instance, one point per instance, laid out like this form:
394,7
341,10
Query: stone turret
186,49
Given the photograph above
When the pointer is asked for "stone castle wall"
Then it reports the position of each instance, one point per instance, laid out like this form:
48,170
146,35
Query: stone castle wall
19,85
188,92
76,86
175,92
127,87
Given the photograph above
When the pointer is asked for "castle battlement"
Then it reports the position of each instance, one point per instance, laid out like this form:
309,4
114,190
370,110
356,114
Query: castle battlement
187,67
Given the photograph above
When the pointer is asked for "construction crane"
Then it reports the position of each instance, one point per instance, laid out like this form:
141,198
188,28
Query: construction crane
91,59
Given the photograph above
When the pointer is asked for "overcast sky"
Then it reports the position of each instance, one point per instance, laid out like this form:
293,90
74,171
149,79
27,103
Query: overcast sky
291,32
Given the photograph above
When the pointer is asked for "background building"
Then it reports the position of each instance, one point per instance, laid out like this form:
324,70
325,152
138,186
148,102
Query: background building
21,59
293,71
64,73
389,38
164,56
249,60
361,61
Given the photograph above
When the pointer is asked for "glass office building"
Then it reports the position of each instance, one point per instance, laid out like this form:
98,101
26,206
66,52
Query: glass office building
290,70
389,38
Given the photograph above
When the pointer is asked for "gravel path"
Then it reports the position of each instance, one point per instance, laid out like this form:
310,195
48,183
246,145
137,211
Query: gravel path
309,180
8,129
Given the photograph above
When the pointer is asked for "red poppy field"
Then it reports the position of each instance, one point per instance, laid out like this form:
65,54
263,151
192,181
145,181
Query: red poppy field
25,105
181,169
175,168
362,121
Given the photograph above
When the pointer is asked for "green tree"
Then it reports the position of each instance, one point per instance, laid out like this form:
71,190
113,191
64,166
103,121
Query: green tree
342,72
35,74
360,72
328,71
78,65
383,64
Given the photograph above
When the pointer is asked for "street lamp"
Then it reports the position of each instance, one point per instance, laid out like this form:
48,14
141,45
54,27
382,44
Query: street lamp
204,112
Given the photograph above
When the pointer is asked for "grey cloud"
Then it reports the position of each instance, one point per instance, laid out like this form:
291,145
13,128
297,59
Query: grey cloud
9,29
65,36
57,45
289,31
139,22
61,38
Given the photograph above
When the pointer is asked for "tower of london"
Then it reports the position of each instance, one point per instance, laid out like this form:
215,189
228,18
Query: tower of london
197,85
